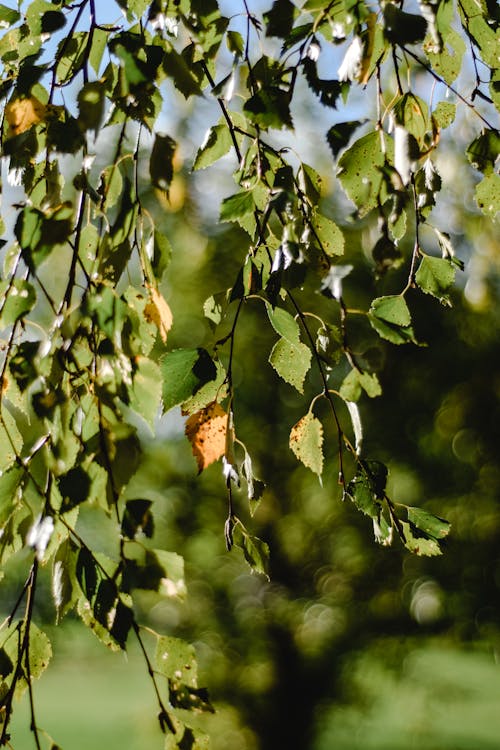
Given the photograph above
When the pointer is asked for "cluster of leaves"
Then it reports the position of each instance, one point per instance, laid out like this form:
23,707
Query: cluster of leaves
83,317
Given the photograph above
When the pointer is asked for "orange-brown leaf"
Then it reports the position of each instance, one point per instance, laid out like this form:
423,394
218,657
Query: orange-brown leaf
158,312
206,431
21,114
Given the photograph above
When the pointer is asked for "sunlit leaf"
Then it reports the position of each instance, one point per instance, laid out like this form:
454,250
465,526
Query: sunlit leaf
255,551
22,114
158,311
356,382
206,431
428,523
17,298
360,490
284,324
306,442
488,195
184,372
291,361
217,143
448,62
176,660
419,543
436,276
359,171
328,234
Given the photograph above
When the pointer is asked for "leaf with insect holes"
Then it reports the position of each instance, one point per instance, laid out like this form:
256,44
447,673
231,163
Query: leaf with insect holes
206,431
306,441
418,542
291,361
157,311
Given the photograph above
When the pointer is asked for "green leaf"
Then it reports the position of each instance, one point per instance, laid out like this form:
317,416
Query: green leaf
237,206
17,298
172,582
40,651
360,174
255,551
64,589
488,195
161,166
162,254
283,323
329,235
269,108
11,441
428,523
86,573
390,317
235,43
444,114
71,55
355,381
215,306
436,276
291,362
392,309
146,389
176,67
479,21
330,343
310,183
217,143
8,16
91,98
176,660
448,62
412,113
360,490
306,442
419,543
111,186
254,486
211,391
184,372
99,40
484,151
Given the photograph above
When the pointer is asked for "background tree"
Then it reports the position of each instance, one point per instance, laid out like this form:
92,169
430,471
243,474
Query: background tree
112,208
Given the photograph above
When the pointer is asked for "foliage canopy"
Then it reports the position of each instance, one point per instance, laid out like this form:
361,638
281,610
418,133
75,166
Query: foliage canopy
87,366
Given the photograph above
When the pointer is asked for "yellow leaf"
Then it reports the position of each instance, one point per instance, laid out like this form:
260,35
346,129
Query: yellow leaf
22,114
206,431
158,312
